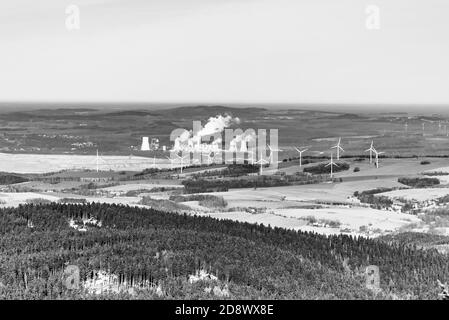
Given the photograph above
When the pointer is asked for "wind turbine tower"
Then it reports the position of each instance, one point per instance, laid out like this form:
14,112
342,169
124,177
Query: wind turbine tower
181,160
338,147
332,164
271,153
154,165
300,155
261,161
252,157
371,150
377,157
98,159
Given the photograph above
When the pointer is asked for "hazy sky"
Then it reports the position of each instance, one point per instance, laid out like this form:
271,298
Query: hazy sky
291,51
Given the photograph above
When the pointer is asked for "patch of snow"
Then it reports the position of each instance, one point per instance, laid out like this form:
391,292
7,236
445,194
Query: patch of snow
86,222
104,282
202,275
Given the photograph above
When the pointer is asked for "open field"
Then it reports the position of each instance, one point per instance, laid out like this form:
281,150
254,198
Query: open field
334,202
16,198
350,220
393,167
324,192
45,186
42,163
418,194
287,206
139,186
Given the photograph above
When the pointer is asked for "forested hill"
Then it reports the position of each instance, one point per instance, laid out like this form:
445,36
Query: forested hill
148,248
6,178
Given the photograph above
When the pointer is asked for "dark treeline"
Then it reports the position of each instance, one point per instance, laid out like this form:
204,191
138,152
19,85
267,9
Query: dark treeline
232,170
206,200
12,178
37,242
217,185
323,168
419,182
376,201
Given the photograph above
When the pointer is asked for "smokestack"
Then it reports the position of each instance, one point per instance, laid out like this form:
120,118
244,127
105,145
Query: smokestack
145,144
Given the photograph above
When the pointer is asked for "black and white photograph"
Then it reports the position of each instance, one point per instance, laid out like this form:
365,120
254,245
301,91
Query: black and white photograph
206,152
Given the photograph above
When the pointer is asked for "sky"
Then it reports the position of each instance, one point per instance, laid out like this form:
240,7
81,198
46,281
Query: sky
225,51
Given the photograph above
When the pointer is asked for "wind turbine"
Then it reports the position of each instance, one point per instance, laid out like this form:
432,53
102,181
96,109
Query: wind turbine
332,164
154,165
371,150
377,157
252,157
271,153
261,161
338,147
300,155
98,160
181,160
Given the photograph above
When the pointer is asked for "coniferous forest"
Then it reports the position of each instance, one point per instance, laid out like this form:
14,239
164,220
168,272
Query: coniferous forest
147,249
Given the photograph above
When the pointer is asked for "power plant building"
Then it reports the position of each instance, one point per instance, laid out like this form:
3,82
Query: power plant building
145,144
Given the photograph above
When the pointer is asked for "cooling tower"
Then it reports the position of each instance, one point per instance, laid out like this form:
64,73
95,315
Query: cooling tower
145,144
